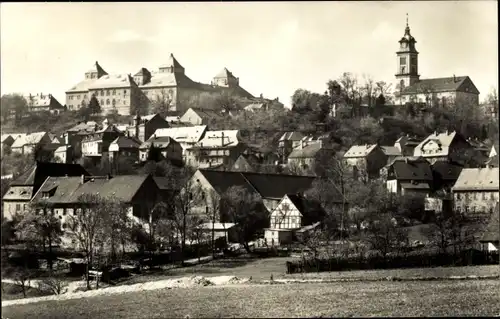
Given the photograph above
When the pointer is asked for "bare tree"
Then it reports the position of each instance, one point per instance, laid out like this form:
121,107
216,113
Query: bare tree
87,228
163,103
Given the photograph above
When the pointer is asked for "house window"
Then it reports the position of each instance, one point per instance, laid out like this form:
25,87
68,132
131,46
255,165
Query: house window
202,195
107,101
102,92
64,225
114,92
484,195
466,196
402,60
113,102
102,102
124,92
459,196
107,92
18,207
78,97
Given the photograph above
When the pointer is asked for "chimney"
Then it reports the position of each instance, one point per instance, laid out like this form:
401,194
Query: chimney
446,132
261,96
435,133
83,179
406,160
222,139
454,78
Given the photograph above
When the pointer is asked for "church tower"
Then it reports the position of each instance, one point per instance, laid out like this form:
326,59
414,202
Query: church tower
407,56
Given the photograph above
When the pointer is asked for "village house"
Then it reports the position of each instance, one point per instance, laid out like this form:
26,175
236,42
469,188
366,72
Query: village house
247,163
166,149
23,187
186,136
198,116
124,146
287,142
406,144
447,146
433,92
307,154
391,152
143,127
43,102
62,195
365,159
476,190
270,187
445,174
94,145
75,135
215,149
292,213
64,153
26,144
409,176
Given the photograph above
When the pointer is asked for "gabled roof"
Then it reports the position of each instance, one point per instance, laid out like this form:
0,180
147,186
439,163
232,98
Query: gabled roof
492,161
28,139
415,170
96,68
477,179
444,140
449,84
446,171
185,134
492,231
143,71
6,136
291,136
308,151
42,100
391,150
18,193
224,138
41,170
158,142
307,207
272,186
206,113
62,148
127,142
360,150
68,189
254,106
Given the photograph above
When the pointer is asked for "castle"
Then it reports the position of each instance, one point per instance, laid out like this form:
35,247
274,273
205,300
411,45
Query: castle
438,91
170,83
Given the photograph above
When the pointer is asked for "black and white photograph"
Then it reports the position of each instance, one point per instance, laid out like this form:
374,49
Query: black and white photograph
247,159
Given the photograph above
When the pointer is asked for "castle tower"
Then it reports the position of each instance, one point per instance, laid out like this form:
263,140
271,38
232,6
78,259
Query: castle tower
407,73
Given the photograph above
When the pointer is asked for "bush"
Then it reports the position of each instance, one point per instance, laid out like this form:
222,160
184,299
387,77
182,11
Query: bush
411,260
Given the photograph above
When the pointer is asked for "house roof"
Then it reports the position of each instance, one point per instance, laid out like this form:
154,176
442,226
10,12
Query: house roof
449,84
254,106
96,67
415,185
415,170
68,189
224,138
359,151
172,62
221,181
276,186
185,134
391,150
90,126
444,170
291,136
41,170
409,140
163,183
62,148
42,100
112,81
493,161
217,226
5,137
157,141
492,231
143,71
307,207
127,142
308,151
18,193
28,139
82,86
477,179
444,141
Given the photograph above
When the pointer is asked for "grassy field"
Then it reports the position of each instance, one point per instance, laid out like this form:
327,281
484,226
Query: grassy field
11,292
436,298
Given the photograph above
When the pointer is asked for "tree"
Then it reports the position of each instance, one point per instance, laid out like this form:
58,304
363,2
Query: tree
84,111
87,227
39,224
163,103
13,104
117,224
384,235
41,154
94,106
139,103
246,210
8,230
304,101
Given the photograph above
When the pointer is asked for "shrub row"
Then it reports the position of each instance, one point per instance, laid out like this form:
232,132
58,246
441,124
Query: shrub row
465,258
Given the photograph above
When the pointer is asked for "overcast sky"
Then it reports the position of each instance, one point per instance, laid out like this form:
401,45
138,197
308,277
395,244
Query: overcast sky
274,48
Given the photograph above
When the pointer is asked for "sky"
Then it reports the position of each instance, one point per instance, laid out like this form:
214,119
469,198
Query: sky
273,47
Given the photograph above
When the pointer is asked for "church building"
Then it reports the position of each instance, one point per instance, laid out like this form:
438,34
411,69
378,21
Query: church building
439,91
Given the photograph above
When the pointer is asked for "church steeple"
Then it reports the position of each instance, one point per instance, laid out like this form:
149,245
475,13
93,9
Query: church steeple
407,73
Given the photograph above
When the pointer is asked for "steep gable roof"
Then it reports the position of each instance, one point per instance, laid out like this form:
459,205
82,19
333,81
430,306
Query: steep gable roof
127,142
221,181
185,134
276,185
112,81
446,171
444,140
96,67
224,73
28,139
172,62
307,207
448,84
391,150
158,142
223,138
291,136
41,170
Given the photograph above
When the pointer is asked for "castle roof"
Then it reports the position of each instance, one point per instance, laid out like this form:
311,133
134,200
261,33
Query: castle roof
449,84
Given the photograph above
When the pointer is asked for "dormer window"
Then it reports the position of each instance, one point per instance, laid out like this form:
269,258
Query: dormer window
45,194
